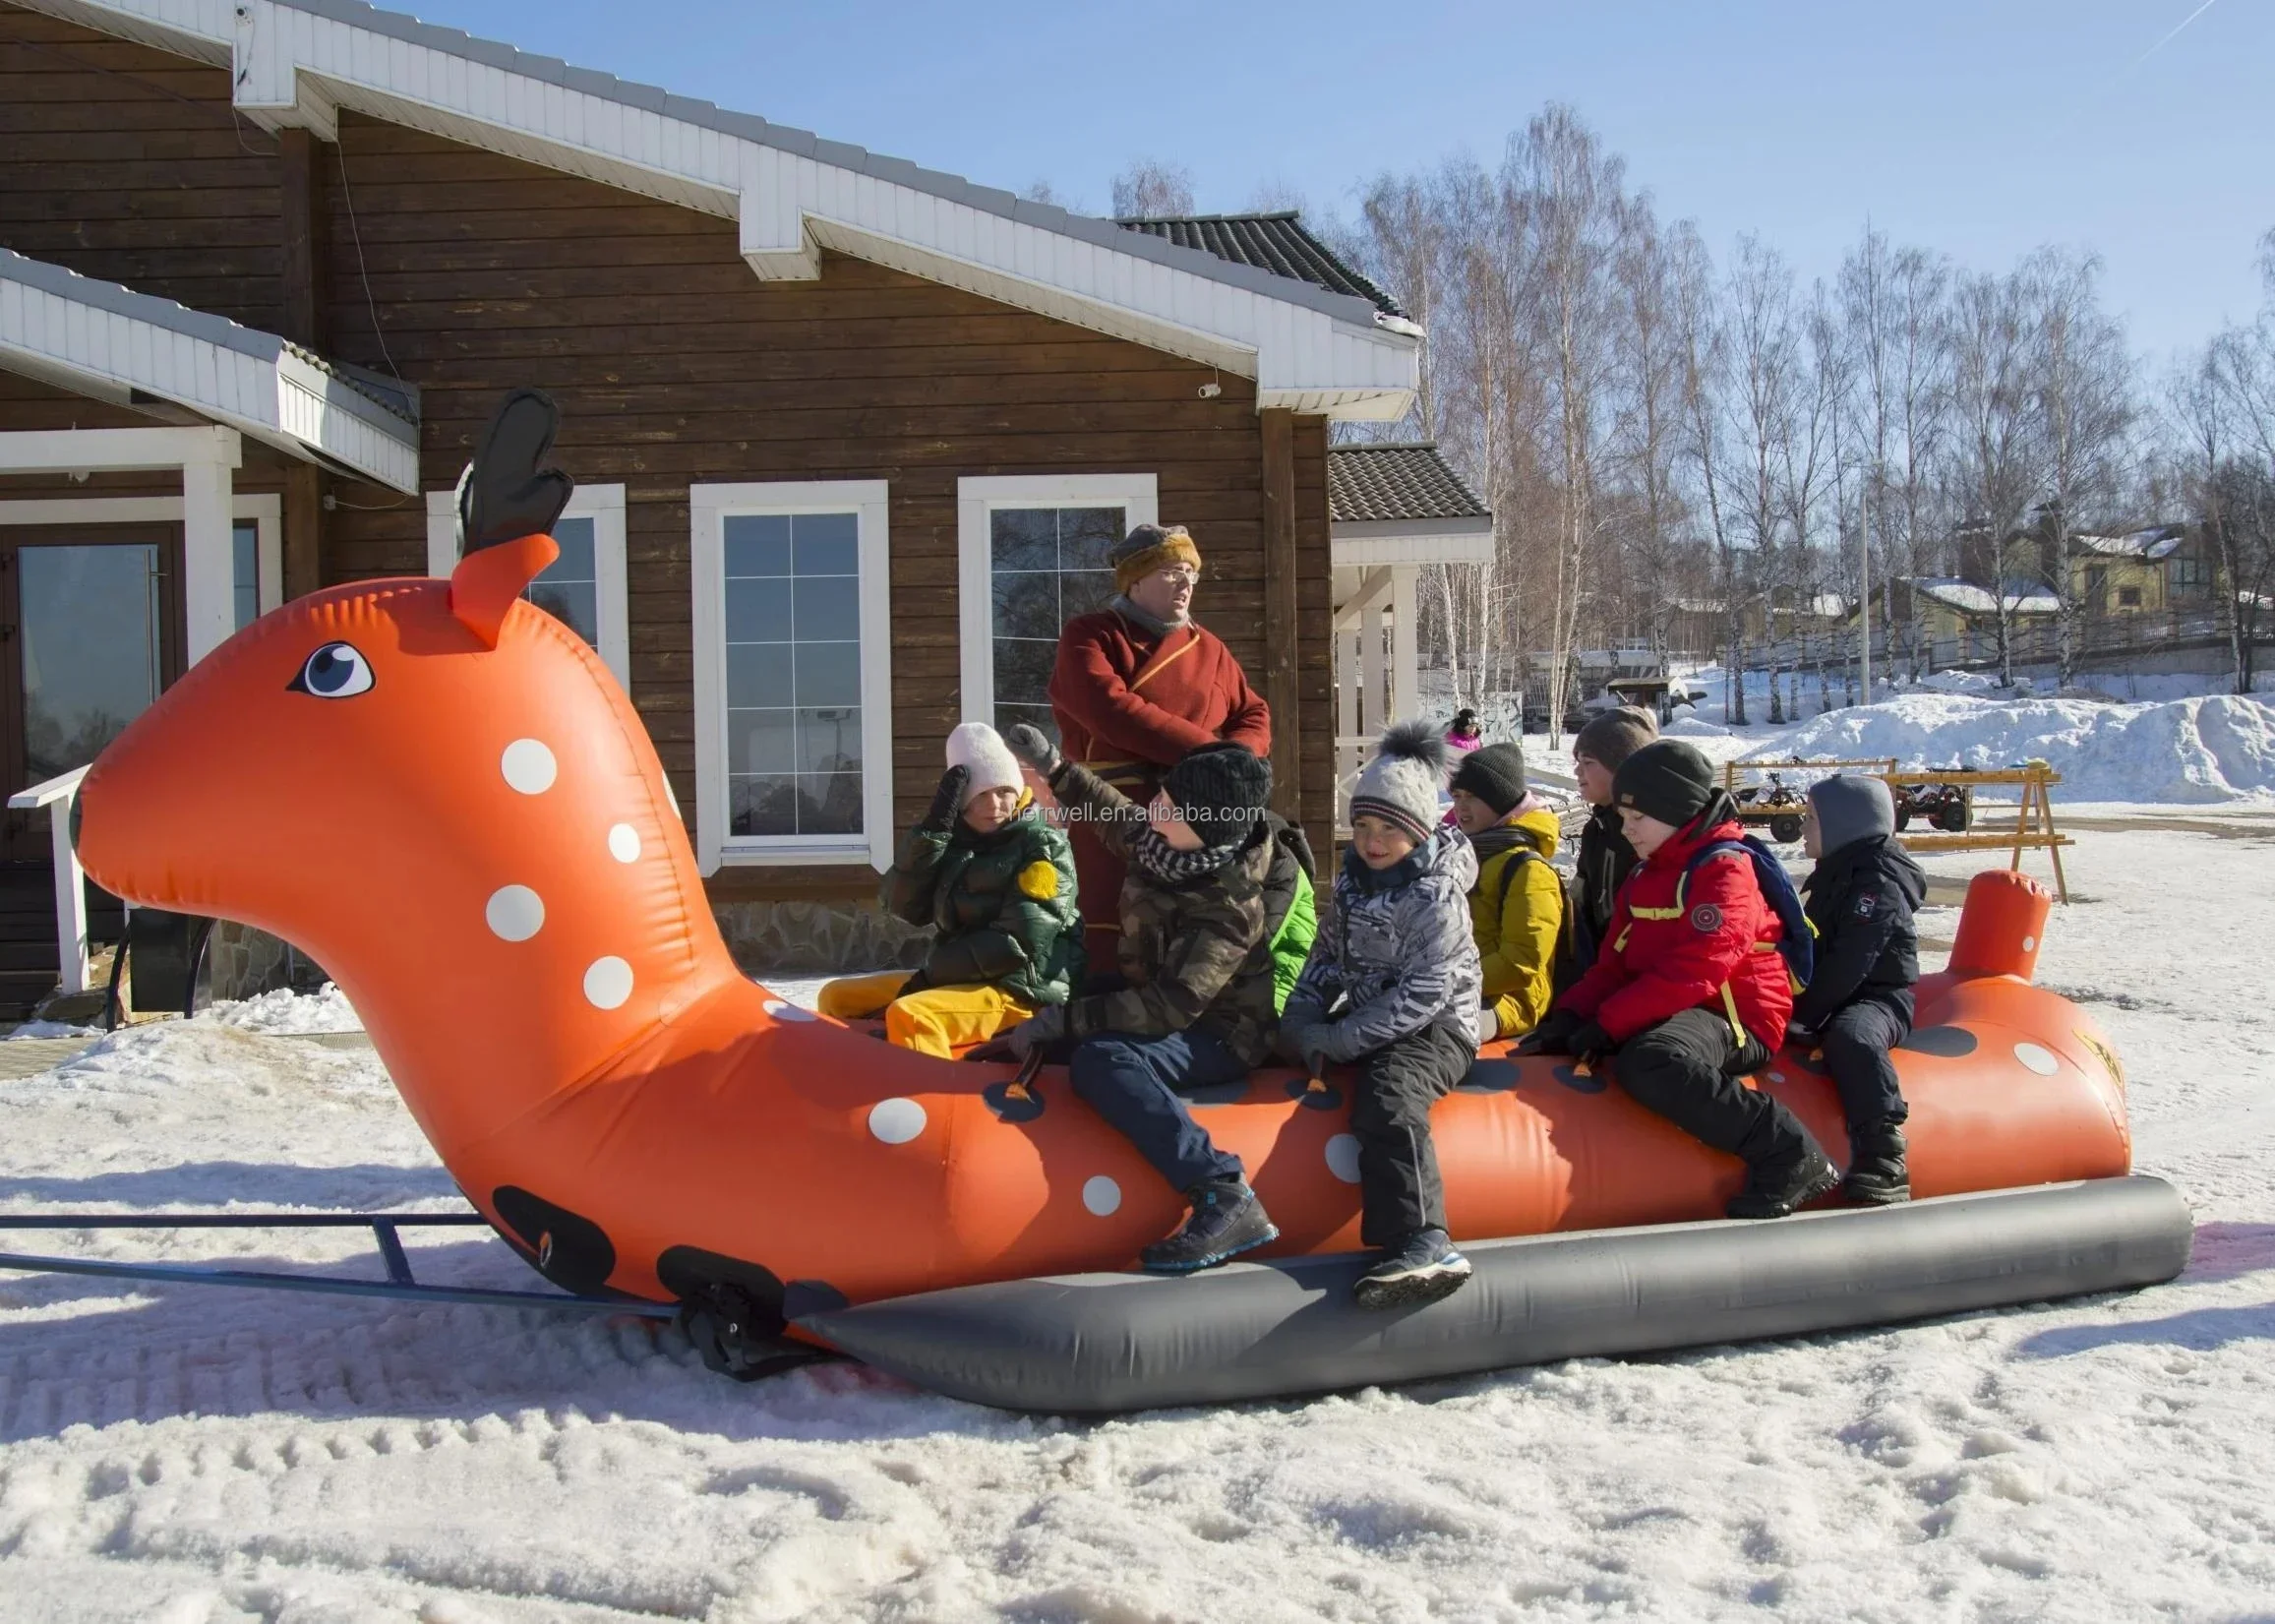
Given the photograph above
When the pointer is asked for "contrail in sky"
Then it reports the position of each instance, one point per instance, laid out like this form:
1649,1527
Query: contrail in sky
2168,39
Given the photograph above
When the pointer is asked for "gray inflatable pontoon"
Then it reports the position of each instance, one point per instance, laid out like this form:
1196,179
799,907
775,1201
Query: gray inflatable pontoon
1115,1342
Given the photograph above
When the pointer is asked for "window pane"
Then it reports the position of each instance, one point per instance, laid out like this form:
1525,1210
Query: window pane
757,611
1083,591
1023,670
828,609
761,741
1027,605
758,674
757,543
829,804
762,806
575,604
826,544
828,674
1024,538
1086,535
1039,715
829,738
575,536
245,552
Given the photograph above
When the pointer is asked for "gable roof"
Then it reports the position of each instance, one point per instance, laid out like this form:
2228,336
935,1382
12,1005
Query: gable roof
1402,502
1276,242
2022,597
108,341
793,194
2158,541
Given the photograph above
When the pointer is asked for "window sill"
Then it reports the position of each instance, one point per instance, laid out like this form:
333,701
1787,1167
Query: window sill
794,854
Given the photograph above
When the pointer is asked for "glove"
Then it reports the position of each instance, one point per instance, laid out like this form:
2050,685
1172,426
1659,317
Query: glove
1303,1043
1033,747
1046,1025
1589,1044
1553,1036
947,802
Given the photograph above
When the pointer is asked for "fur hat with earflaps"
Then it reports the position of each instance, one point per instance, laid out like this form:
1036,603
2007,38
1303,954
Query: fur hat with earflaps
1400,785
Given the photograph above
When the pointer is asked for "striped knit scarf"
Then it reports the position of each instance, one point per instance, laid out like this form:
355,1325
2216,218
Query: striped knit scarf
1166,864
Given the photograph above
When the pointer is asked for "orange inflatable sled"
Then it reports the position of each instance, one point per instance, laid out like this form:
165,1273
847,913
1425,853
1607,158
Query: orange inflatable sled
440,792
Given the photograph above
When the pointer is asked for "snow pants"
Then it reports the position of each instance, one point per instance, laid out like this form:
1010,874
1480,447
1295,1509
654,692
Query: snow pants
1855,1044
937,1021
1400,1191
1137,1083
1690,1068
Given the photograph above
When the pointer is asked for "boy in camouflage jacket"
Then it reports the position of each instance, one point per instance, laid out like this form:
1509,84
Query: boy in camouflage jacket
1211,877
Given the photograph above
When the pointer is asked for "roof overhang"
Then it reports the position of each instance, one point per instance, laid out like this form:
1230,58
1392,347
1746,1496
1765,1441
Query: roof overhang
1371,543
791,193
111,344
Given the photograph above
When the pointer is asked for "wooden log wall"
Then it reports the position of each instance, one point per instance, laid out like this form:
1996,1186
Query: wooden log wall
468,274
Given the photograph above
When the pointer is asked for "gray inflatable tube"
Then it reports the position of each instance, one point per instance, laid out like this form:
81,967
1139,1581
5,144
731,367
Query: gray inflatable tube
1091,1344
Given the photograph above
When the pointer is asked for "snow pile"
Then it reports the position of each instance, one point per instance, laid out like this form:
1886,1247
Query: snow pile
2216,748
1693,726
284,1011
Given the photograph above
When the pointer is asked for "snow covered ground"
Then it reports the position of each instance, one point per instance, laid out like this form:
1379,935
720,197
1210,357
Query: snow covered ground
187,1454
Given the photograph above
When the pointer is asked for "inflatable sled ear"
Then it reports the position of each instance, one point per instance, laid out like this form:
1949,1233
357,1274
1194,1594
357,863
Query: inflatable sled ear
508,504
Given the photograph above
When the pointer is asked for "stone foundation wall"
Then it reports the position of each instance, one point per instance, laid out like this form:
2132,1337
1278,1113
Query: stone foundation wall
817,939
242,962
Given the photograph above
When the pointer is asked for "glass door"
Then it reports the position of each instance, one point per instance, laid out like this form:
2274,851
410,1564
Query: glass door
88,636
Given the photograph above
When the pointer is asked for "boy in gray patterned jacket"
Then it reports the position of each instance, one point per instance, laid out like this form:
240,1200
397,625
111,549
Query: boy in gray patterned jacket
1394,987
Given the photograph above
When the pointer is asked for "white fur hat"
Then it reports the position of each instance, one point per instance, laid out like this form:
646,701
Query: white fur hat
979,746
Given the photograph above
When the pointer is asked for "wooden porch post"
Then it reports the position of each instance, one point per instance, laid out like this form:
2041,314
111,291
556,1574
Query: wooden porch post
300,184
1281,690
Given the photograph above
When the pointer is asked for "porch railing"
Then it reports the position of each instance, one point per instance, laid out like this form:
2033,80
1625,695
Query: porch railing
56,795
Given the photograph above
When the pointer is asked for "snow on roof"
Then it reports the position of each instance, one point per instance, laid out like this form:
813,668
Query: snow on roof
2021,597
2158,541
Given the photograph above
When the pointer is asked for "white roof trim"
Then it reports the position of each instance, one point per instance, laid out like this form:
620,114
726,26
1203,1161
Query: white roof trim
109,341
792,193
1360,544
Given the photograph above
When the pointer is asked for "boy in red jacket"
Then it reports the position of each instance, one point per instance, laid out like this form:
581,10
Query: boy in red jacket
1689,989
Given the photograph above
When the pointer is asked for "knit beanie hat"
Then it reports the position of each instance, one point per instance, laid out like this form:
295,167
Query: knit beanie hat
1611,738
1400,785
1849,809
980,748
1219,791
1495,775
1146,549
1668,780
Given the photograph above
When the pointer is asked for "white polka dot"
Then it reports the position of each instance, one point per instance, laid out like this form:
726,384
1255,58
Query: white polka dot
1777,1076
624,843
2040,1060
2029,945
608,983
1342,1158
896,1121
1101,1195
516,913
528,766
783,1011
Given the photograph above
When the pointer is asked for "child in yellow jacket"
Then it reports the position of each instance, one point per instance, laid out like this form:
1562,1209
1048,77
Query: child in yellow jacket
1516,907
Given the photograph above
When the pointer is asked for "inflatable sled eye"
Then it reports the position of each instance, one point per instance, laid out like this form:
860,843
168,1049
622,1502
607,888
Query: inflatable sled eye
334,671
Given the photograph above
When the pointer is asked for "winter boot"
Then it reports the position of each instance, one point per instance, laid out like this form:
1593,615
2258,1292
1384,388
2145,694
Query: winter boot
1877,1174
1226,1219
1792,1176
1422,1270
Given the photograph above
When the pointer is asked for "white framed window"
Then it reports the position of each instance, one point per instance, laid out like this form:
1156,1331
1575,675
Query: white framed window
256,537
1031,555
583,588
792,606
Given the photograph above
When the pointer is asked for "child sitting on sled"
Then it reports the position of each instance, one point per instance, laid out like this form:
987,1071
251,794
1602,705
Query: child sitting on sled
1690,991
996,880
1516,906
1859,1001
1213,876
1391,988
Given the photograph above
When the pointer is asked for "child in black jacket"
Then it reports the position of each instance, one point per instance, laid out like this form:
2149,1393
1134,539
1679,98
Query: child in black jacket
1859,1001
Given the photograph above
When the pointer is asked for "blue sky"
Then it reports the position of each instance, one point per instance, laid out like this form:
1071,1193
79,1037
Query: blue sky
1981,129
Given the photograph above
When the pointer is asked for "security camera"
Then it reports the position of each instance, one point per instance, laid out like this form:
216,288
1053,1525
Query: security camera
1210,391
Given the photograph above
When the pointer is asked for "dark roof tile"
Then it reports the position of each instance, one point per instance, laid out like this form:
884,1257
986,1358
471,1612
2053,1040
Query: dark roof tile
1405,480
1277,243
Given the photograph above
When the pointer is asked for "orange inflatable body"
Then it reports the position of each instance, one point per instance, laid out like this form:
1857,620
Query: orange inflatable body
475,838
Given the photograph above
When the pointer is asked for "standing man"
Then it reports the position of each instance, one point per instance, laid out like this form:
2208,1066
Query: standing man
1138,687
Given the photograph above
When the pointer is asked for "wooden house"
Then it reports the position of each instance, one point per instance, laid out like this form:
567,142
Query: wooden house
272,265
